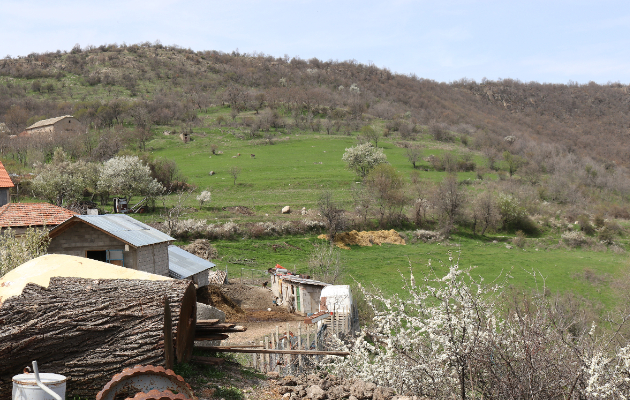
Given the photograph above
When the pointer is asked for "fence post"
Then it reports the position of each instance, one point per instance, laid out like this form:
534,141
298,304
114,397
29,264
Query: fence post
266,356
300,345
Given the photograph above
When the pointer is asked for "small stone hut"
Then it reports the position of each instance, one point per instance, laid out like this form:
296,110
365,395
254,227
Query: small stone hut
55,126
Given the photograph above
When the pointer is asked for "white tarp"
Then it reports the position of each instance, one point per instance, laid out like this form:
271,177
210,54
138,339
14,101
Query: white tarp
338,298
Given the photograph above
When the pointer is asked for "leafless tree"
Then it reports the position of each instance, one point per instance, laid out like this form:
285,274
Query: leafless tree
325,264
448,199
486,212
332,213
235,172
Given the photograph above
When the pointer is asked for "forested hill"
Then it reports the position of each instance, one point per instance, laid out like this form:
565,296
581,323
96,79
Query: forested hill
168,84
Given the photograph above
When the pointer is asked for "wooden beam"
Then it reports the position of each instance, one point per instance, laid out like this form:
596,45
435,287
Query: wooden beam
220,349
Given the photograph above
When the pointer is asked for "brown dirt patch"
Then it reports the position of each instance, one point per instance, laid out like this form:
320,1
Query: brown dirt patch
212,295
366,238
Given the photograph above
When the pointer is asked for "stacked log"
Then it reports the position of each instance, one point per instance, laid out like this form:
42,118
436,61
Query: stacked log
212,329
88,330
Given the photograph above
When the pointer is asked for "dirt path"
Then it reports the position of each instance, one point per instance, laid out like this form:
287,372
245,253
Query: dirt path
260,315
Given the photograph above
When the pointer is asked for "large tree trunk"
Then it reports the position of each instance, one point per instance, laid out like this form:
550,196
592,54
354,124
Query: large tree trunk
89,330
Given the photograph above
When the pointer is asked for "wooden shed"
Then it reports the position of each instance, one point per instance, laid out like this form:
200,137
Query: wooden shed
297,294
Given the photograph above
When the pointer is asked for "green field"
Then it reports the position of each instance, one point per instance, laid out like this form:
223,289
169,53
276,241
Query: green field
296,168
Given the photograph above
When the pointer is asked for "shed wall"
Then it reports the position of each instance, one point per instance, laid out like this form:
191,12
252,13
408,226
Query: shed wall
80,238
153,258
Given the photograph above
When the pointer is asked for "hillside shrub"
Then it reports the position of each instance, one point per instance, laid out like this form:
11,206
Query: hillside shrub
574,239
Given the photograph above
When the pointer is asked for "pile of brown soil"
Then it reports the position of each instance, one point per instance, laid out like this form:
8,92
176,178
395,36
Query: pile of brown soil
365,238
213,296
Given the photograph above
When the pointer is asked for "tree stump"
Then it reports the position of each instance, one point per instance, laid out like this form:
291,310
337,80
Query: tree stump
89,330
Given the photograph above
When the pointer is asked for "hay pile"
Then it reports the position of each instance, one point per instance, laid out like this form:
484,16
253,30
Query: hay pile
201,248
365,238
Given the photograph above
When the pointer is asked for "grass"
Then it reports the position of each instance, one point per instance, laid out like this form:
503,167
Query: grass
582,272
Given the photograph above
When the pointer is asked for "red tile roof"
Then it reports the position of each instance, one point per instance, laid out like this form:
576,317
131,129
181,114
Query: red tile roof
5,180
32,214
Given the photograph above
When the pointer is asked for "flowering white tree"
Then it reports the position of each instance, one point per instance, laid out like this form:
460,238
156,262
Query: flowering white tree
62,181
127,176
456,335
362,158
204,197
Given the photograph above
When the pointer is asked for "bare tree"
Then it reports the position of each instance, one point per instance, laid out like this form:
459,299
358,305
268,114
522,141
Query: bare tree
486,212
332,214
325,264
448,199
235,171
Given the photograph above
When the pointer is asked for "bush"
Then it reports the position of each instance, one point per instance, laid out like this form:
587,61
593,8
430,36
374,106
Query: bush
585,224
428,236
574,239
519,240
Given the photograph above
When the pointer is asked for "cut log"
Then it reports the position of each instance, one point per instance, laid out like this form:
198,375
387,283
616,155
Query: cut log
88,330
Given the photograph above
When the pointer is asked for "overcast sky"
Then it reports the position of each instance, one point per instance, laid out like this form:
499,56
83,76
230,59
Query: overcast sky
446,40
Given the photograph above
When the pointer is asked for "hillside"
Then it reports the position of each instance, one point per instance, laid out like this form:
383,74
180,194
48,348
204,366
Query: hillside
589,120
537,173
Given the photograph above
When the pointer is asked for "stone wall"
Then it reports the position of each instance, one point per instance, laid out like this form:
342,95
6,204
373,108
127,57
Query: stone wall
325,386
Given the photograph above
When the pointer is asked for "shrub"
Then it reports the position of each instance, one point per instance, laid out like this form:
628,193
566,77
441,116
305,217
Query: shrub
519,240
428,236
574,239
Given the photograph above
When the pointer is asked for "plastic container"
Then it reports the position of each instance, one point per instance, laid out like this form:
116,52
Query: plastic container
25,387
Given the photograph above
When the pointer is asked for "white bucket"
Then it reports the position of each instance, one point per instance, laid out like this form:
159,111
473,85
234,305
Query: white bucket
25,387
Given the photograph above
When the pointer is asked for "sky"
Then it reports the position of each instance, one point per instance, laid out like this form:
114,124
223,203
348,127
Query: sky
447,40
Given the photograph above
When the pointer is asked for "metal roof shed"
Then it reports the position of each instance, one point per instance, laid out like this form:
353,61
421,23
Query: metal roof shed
184,265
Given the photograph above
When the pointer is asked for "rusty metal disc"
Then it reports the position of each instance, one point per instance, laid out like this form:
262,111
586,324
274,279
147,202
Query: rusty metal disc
144,379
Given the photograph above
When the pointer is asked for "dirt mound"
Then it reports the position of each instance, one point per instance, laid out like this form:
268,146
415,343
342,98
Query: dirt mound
277,314
249,296
202,248
213,296
365,238
239,210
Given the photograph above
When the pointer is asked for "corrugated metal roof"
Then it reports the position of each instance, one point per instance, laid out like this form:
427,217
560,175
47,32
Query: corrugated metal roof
127,229
297,279
182,264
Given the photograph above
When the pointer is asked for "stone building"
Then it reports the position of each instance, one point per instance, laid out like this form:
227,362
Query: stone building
55,126
5,186
117,239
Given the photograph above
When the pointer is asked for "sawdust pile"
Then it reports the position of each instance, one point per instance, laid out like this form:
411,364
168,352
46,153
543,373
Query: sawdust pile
366,238
213,296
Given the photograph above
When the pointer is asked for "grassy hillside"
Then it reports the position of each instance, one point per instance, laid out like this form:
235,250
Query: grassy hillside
297,117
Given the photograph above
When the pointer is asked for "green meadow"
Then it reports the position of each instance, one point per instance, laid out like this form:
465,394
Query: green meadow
294,169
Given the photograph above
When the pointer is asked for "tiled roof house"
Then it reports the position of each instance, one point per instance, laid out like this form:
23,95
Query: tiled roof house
5,186
19,216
